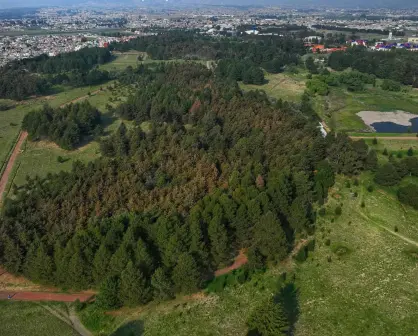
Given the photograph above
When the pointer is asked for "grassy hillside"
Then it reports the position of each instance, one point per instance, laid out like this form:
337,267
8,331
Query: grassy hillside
362,277
30,319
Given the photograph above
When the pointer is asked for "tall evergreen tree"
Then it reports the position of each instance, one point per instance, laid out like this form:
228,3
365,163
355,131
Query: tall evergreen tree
186,274
134,289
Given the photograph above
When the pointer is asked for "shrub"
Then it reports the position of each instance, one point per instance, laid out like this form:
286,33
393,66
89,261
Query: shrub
338,211
311,245
374,141
396,229
370,188
356,183
340,250
409,195
322,212
362,204
385,152
79,306
302,255
387,175
390,85
328,242
410,151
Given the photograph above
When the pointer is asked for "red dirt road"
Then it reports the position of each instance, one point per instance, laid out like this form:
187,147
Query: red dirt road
16,150
240,260
44,296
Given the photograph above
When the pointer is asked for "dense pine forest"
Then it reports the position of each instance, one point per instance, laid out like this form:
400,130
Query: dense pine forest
398,65
216,171
66,126
35,76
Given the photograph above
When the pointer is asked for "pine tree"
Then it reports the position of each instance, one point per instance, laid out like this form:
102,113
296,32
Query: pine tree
270,238
101,264
269,319
119,260
79,274
218,241
242,226
43,265
186,275
134,289
143,259
108,296
162,285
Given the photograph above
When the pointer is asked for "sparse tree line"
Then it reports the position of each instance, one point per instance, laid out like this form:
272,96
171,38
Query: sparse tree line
165,207
392,173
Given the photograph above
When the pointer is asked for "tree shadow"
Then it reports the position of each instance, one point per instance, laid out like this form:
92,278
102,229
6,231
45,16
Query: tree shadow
289,298
107,119
132,328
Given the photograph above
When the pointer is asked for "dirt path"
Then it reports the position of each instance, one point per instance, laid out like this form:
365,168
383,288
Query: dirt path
405,239
240,260
69,318
9,167
385,138
80,98
44,296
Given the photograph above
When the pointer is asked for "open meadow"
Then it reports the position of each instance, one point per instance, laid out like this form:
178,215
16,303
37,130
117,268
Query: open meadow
361,280
30,319
289,87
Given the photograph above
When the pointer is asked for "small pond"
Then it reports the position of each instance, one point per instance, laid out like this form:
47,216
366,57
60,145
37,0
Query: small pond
391,127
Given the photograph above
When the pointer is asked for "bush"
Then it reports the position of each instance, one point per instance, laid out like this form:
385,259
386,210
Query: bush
322,212
410,151
390,85
362,204
78,305
302,255
356,183
396,229
328,242
338,211
385,152
387,175
374,141
311,245
409,195
370,188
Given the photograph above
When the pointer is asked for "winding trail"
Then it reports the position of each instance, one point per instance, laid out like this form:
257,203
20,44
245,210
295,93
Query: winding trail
9,167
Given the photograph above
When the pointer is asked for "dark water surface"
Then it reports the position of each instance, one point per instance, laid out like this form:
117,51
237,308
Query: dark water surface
390,127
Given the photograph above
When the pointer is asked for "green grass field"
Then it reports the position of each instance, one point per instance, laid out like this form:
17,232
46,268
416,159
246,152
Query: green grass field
289,87
30,319
369,285
122,61
393,146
